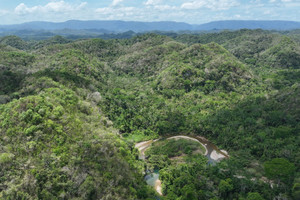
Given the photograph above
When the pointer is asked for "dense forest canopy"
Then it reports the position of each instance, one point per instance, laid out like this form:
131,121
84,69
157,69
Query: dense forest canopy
72,110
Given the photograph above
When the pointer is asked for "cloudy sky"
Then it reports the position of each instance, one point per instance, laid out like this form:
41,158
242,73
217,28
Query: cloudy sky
190,11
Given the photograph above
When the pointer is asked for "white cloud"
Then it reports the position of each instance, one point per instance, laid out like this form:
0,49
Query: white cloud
191,11
157,5
116,2
165,7
121,11
153,2
22,9
54,6
210,4
139,13
194,5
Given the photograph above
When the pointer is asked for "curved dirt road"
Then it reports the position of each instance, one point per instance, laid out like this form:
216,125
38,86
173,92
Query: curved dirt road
211,152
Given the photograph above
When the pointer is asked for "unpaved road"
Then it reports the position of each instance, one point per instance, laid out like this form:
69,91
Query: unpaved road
211,152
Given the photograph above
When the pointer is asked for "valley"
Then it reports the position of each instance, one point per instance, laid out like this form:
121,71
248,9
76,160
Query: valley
84,118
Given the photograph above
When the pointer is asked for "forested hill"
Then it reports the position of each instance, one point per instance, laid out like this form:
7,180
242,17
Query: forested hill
71,112
136,26
249,24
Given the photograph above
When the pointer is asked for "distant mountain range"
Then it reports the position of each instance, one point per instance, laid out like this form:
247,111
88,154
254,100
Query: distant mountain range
249,24
122,26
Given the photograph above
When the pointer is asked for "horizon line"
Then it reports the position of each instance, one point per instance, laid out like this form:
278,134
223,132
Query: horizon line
150,21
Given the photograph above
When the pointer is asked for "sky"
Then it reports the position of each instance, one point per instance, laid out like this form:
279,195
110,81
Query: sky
190,11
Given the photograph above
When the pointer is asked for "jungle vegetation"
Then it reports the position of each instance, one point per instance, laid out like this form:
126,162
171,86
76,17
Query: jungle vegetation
72,110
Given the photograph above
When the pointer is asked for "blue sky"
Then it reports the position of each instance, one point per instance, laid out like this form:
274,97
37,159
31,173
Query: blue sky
190,11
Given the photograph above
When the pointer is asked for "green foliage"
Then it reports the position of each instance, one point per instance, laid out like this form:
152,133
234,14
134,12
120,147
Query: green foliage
10,81
254,196
174,147
296,191
51,41
6,158
286,54
279,169
63,103
61,145
225,187
16,59
184,180
15,42
202,67
219,37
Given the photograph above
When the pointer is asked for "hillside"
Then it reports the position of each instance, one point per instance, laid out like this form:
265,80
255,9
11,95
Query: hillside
71,112
113,25
94,28
249,24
